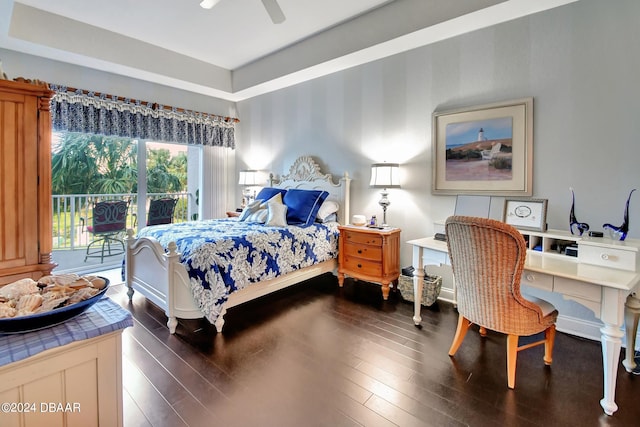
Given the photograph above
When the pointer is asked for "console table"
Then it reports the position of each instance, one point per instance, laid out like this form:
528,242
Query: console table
601,288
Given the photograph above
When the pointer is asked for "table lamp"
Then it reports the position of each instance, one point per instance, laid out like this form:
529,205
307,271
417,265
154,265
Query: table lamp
248,178
385,175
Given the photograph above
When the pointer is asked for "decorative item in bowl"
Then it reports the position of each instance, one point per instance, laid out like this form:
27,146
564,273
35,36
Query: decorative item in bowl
358,220
27,305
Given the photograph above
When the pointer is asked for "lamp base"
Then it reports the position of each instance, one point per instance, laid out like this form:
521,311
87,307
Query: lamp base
384,202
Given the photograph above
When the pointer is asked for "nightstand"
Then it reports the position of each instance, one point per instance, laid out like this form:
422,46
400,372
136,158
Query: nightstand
369,254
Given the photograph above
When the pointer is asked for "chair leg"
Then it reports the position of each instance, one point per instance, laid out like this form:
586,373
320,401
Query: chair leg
90,254
105,248
512,357
461,331
549,338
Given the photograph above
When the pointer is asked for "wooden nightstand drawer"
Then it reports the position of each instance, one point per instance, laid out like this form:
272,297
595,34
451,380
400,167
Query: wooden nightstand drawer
363,251
363,266
362,238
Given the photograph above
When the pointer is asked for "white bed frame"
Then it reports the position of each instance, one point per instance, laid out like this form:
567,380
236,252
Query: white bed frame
161,278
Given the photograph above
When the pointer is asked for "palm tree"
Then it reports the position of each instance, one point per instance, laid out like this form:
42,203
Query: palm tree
93,164
160,178
73,165
117,162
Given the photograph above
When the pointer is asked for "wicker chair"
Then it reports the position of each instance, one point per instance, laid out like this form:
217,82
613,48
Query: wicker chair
487,257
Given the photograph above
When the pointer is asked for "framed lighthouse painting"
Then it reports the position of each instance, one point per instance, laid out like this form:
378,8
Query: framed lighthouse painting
485,149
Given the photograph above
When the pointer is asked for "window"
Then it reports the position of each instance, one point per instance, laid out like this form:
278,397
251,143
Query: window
87,167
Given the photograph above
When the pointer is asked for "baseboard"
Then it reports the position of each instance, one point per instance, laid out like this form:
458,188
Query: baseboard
446,294
579,327
585,329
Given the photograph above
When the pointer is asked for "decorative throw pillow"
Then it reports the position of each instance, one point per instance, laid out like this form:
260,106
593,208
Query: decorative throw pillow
277,216
259,216
250,209
303,205
277,199
268,192
258,209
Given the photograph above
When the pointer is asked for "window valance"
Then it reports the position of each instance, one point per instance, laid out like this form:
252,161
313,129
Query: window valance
76,110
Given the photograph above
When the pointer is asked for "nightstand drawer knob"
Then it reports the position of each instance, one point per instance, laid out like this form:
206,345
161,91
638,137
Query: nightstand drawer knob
359,251
359,265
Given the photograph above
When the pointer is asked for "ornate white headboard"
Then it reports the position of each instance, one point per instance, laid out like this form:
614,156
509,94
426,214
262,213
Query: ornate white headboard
305,174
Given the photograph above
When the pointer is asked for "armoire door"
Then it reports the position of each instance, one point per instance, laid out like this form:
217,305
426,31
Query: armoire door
21,194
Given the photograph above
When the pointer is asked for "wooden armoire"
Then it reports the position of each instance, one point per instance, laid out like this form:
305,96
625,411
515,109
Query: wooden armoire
25,181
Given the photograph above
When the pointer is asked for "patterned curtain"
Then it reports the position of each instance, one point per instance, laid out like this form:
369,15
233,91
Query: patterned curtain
87,112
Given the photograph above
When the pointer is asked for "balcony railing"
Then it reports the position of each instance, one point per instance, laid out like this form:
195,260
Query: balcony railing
72,213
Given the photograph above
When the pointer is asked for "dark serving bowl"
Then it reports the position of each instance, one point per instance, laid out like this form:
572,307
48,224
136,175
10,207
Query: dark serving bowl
33,322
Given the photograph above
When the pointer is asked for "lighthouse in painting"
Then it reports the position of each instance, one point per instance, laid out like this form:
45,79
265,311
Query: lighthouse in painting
481,136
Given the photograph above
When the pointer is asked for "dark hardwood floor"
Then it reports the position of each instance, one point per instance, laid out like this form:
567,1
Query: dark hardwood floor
319,355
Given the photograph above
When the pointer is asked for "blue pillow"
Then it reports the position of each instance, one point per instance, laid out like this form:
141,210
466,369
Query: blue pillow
268,192
303,205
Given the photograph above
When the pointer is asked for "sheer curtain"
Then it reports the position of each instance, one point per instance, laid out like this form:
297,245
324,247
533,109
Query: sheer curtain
216,162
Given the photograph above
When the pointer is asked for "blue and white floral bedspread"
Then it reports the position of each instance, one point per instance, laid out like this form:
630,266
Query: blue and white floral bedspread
224,255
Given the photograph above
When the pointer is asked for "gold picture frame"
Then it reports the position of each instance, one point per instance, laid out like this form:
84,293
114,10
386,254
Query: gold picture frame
485,149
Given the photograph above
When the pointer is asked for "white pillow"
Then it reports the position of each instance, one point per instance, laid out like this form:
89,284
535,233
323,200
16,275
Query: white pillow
327,208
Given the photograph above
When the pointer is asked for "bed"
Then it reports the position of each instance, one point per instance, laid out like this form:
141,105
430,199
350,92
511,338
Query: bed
197,283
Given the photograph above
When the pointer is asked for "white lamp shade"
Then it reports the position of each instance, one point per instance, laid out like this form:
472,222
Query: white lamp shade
385,175
249,177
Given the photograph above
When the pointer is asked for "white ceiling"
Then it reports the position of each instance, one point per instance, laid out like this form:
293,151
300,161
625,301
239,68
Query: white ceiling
233,51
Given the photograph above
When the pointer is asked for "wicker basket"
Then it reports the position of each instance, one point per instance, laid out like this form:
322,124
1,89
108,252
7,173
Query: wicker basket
430,290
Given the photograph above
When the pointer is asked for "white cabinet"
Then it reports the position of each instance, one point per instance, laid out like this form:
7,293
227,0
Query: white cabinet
78,384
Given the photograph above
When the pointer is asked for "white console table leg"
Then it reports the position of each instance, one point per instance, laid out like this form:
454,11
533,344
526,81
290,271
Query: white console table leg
631,316
418,283
612,315
611,343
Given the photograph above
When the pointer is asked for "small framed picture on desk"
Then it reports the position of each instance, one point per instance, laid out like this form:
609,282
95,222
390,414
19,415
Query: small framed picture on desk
527,214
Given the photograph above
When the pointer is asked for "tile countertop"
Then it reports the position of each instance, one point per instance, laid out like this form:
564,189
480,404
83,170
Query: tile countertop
103,317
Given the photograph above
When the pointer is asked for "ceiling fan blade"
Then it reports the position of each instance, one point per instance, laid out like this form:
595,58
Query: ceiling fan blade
274,11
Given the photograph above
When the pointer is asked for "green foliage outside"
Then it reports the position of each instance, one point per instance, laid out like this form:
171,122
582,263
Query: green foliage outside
94,164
